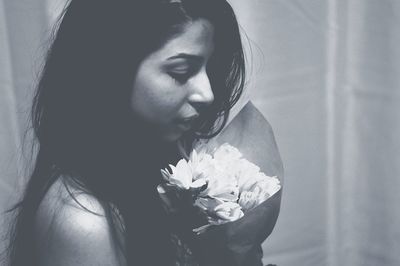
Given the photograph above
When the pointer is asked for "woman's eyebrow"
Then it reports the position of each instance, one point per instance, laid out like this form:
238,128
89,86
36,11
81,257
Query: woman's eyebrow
190,57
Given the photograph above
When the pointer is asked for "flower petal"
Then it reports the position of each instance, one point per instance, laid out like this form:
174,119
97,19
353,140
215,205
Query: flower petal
199,183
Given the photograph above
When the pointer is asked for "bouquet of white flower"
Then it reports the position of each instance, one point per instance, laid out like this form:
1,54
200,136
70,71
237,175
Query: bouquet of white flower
225,186
233,204
222,183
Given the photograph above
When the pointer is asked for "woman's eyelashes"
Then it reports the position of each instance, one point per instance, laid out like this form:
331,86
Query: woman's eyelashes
181,77
183,72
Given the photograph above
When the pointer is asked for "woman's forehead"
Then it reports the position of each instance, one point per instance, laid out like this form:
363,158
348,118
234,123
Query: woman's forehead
196,38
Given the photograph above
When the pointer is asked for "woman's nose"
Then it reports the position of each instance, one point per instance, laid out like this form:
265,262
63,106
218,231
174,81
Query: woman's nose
201,92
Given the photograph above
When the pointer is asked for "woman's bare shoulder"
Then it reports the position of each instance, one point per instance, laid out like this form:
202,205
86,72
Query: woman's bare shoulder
73,233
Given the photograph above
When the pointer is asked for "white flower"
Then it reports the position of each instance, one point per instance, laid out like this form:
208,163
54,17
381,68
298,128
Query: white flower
268,184
207,204
247,174
227,212
259,192
248,200
181,176
226,158
202,164
221,184
220,212
227,153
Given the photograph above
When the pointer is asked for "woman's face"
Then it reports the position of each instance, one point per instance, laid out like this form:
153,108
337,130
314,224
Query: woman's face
171,85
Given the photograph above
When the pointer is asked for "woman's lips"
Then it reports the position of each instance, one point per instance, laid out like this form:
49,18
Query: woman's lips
190,118
184,126
186,123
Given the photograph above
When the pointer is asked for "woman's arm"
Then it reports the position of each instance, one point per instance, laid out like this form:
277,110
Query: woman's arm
69,235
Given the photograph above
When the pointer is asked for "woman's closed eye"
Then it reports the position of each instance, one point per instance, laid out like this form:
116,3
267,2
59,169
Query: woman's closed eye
181,77
182,72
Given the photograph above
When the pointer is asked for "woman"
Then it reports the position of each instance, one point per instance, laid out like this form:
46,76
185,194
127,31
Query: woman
124,82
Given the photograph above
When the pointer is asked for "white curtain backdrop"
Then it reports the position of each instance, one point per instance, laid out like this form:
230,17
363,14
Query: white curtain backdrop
325,73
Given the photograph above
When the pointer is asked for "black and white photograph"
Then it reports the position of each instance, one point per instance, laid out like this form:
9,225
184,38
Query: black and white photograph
199,132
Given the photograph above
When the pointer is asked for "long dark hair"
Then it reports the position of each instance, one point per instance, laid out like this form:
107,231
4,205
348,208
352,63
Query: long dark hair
83,124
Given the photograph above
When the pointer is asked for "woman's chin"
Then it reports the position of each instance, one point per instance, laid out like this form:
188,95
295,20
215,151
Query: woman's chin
171,136
175,133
